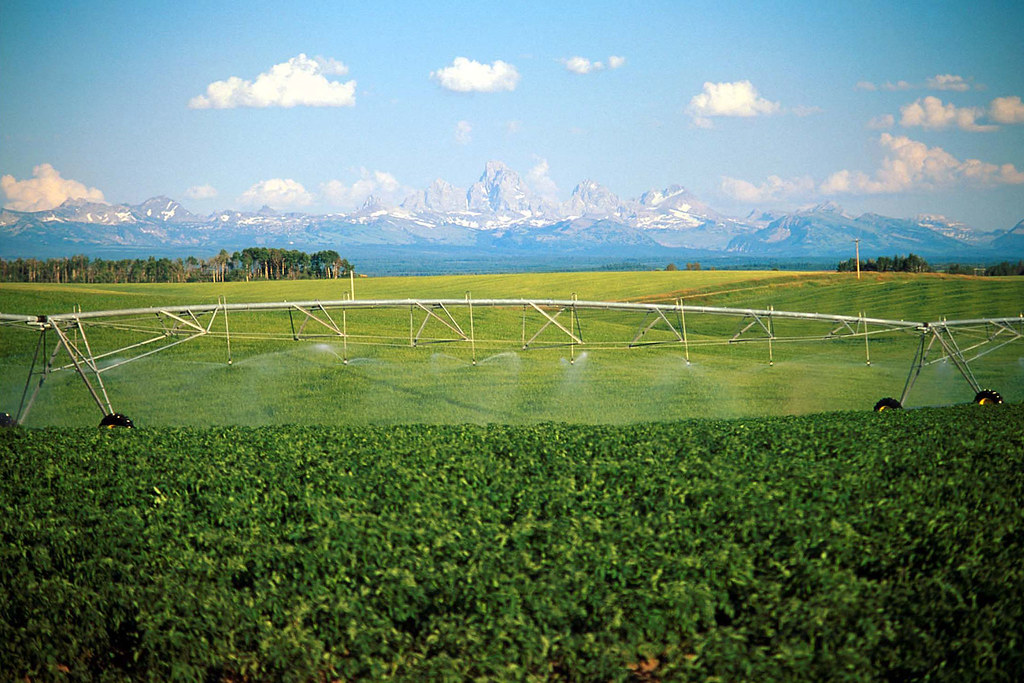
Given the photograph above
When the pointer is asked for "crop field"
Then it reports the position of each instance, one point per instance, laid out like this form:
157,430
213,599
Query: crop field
841,546
550,514
375,377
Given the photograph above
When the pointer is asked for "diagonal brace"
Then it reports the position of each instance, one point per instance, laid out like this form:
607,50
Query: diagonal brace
451,323
756,320
77,357
659,317
329,323
551,321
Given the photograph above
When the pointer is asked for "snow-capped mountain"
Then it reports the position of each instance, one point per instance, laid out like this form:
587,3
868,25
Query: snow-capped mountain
954,229
500,214
82,211
591,199
440,197
828,229
164,210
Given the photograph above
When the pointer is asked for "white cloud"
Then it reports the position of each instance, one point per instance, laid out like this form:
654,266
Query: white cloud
1007,110
331,67
463,132
948,82
930,112
467,75
201,192
301,81
279,193
540,182
380,184
910,165
46,190
882,122
937,82
898,85
582,65
773,188
728,99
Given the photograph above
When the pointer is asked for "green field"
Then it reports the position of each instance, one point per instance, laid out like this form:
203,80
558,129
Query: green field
843,546
274,381
293,517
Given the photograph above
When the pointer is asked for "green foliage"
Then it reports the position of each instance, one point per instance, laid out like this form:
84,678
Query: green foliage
897,264
1001,269
1006,268
252,262
840,546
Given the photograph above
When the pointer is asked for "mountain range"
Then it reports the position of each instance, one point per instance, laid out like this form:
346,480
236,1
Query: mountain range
498,216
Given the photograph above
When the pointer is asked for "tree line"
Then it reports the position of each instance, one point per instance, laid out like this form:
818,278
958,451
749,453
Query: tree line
251,263
911,263
915,264
1004,268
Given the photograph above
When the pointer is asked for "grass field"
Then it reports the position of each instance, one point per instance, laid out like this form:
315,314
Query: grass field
274,381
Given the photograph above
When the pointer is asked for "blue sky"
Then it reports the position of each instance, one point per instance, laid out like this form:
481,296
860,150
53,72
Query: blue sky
896,108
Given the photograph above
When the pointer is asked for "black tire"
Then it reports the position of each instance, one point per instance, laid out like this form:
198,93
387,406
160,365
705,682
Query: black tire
887,404
116,420
988,398
7,421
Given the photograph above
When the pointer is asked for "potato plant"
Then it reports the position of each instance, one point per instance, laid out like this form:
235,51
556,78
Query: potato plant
839,546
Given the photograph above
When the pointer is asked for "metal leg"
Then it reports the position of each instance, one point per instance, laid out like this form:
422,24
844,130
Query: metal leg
915,368
74,353
22,409
954,354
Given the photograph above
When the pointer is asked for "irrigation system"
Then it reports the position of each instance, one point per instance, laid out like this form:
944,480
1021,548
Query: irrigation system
63,343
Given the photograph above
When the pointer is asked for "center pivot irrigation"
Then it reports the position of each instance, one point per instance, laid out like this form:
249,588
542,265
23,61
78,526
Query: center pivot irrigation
63,343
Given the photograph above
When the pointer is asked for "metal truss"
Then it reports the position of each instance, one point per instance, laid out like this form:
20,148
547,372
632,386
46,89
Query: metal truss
993,333
962,342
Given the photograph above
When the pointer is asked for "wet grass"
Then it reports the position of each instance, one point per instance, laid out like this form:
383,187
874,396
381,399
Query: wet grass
276,380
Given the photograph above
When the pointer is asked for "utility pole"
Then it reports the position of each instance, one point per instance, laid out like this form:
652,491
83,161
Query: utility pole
857,243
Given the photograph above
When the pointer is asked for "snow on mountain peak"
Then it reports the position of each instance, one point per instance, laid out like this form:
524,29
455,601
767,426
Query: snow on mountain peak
828,207
499,189
592,198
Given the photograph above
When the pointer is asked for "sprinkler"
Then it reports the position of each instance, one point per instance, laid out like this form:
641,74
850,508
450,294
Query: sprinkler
116,420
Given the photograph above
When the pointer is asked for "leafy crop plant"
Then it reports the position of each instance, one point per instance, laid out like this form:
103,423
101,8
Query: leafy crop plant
843,546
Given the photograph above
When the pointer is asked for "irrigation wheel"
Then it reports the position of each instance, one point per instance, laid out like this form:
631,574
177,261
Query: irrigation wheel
6,420
116,420
988,398
887,404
